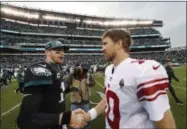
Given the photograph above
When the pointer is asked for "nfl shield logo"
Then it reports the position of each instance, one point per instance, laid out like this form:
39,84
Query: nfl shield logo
121,83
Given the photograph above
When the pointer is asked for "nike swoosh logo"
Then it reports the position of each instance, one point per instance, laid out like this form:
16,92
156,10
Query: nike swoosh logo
156,67
42,65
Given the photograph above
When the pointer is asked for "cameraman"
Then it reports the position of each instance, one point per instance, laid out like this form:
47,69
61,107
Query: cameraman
84,79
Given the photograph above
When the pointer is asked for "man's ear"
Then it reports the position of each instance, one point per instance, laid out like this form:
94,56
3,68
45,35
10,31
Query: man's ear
119,44
47,52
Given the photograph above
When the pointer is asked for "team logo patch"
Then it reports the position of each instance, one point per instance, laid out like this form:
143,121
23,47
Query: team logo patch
41,71
108,85
121,83
58,76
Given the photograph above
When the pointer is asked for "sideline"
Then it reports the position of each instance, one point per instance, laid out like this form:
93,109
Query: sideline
10,109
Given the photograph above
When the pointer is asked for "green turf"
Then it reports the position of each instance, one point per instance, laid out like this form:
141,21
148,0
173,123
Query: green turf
10,99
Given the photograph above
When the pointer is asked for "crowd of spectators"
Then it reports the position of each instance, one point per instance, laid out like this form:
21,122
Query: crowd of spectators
13,39
25,60
15,61
177,55
15,26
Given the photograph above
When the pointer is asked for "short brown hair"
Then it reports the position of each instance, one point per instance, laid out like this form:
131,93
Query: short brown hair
119,34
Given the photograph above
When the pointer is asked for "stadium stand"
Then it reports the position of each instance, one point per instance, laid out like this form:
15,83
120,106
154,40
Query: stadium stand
13,39
22,42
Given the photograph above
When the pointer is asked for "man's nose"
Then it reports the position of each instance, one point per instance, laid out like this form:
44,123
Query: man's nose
102,49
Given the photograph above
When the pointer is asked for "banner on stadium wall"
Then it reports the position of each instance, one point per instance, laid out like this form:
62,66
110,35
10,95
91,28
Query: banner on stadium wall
176,64
65,35
148,35
75,49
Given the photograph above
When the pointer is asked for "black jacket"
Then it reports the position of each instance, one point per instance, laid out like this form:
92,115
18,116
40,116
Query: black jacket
43,98
171,74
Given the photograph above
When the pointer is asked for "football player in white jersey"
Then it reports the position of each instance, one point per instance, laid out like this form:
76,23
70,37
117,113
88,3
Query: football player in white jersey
135,90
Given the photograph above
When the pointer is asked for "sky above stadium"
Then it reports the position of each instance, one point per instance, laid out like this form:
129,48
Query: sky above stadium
173,14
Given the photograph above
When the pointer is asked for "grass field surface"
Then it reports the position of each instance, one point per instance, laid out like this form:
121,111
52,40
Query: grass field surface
10,102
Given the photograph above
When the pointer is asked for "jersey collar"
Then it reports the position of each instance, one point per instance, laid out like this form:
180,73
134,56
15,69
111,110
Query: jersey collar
125,61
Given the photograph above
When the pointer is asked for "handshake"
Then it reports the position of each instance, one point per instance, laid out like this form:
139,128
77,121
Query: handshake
79,118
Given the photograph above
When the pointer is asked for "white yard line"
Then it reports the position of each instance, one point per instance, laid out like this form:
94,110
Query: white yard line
99,84
178,87
13,108
3,114
91,102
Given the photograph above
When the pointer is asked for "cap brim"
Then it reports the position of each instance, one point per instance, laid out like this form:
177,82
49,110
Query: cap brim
65,48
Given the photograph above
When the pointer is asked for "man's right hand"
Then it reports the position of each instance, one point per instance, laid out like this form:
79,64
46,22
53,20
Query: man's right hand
78,119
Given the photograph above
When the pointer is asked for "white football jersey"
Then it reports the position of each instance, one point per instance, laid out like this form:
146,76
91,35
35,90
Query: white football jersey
136,94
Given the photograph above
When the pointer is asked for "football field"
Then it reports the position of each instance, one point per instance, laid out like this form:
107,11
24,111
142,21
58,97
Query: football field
10,102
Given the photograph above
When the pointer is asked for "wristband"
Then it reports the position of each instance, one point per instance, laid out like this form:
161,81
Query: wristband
93,113
60,118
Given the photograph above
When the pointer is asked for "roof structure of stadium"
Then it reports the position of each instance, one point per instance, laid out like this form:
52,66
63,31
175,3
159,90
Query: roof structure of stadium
49,17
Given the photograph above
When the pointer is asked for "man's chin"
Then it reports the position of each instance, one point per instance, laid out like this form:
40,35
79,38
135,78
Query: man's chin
59,62
108,59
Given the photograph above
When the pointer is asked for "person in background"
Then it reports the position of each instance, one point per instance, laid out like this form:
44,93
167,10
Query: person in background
171,75
84,79
20,80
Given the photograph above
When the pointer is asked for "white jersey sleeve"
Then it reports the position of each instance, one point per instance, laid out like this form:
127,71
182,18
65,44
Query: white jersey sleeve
152,85
107,74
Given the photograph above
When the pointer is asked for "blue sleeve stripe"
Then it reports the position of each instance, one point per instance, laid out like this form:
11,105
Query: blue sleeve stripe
38,82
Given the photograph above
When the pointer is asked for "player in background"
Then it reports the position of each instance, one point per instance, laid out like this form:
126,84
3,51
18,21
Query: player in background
20,80
136,90
171,75
4,78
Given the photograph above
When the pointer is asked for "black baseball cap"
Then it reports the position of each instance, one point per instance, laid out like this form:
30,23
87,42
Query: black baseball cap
55,44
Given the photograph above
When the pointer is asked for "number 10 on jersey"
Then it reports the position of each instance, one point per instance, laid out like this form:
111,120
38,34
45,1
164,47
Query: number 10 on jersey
112,114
